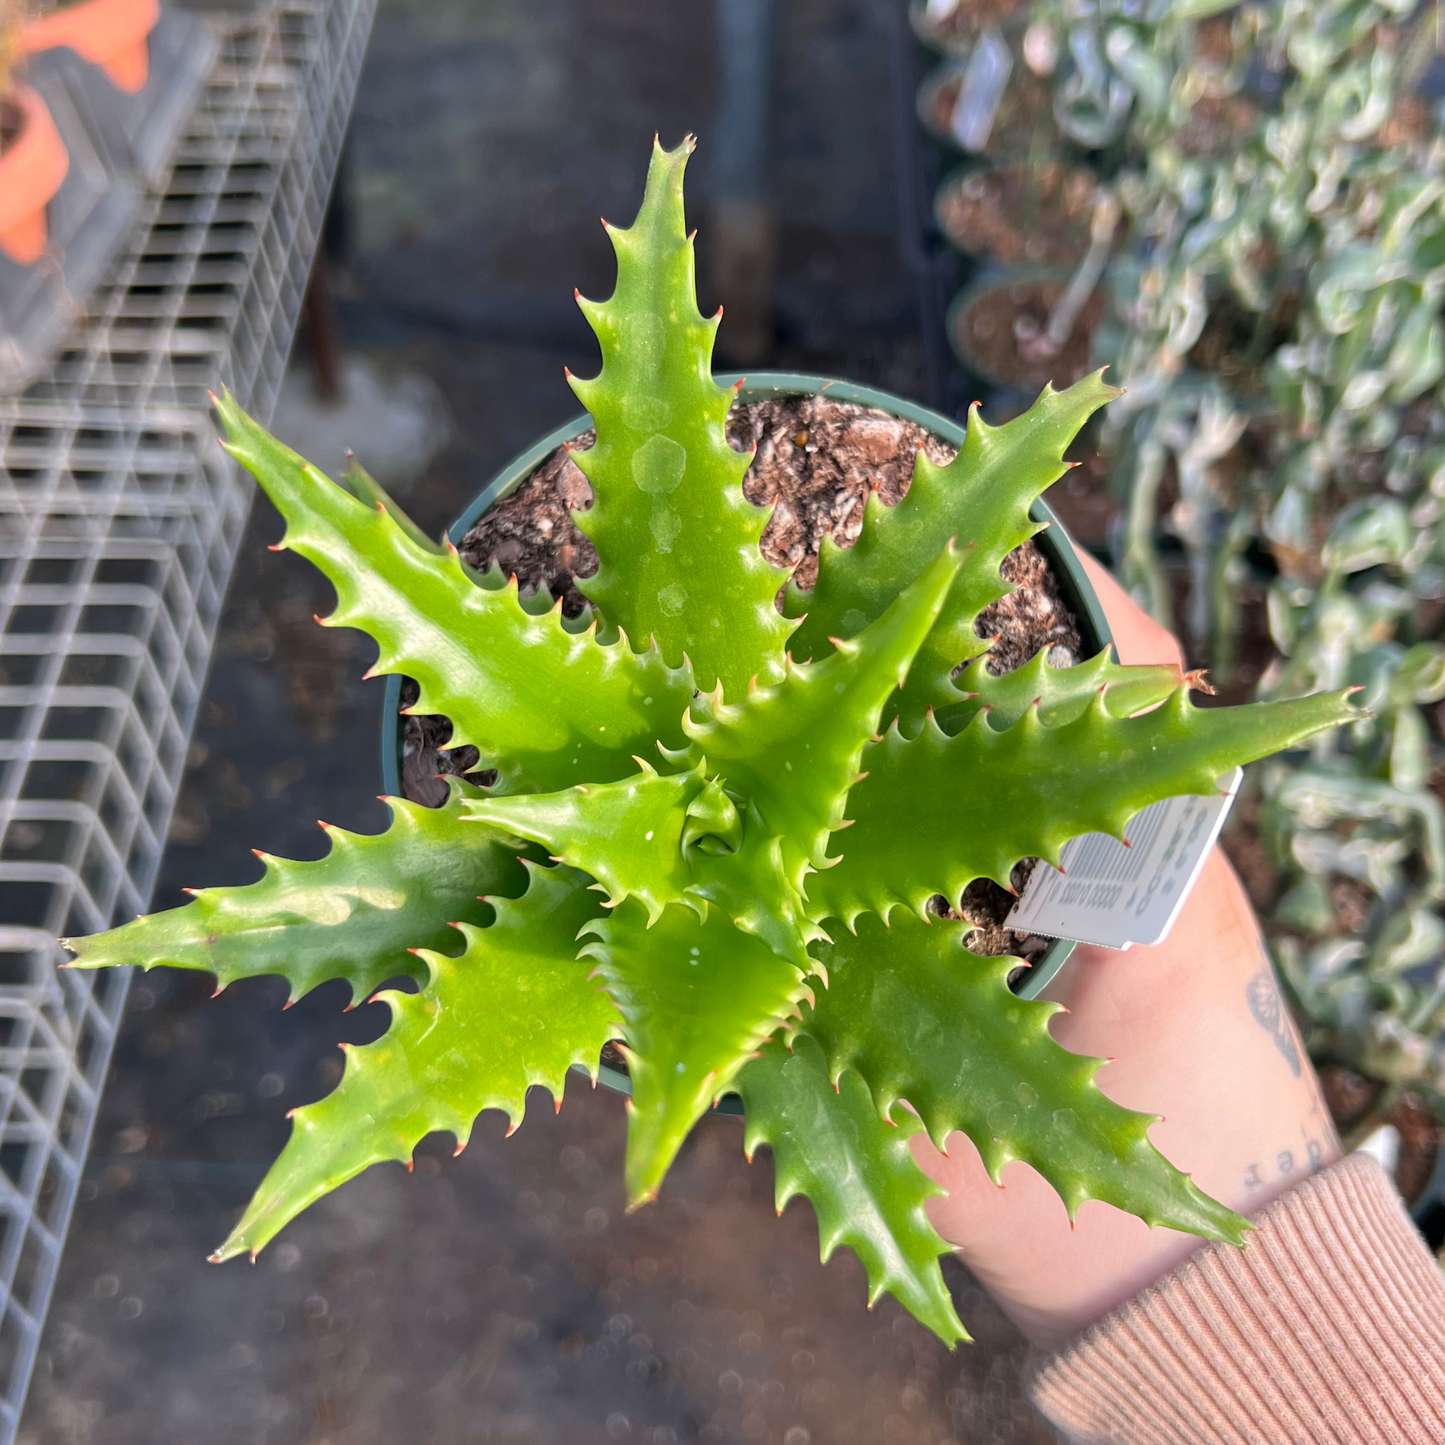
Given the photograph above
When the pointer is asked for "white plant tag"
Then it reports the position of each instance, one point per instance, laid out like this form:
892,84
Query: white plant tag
984,81
1116,896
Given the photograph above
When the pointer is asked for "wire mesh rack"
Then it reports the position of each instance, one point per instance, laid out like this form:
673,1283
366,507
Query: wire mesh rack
119,521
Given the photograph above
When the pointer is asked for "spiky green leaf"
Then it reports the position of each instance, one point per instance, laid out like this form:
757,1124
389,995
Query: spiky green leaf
936,812
516,1009
697,998
968,1055
833,1146
544,706
352,914
982,498
370,493
628,835
1062,693
667,840
793,748
677,542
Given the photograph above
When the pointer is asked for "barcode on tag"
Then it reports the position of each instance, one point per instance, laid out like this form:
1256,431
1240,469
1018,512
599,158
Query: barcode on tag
1115,896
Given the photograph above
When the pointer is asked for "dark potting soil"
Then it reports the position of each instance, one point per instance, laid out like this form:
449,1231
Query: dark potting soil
1016,215
1032,617
1002,332
531,535
1419,1145
426,761
1411,123
1217,125
1350,1097
817,461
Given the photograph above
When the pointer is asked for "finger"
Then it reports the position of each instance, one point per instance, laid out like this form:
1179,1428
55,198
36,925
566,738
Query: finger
1137,637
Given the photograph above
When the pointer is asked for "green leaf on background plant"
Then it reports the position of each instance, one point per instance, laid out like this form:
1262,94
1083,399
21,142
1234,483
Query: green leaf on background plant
676,540
981,499
977,803
545,707
832,1146
697,998
352,914
516,1009
968,1055
1419,676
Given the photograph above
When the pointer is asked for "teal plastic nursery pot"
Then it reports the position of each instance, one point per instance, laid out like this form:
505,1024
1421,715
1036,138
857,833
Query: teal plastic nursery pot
983,326
1054,542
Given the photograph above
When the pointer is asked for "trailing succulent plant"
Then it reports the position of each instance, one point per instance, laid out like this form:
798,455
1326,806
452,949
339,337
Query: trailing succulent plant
716,829
1281,340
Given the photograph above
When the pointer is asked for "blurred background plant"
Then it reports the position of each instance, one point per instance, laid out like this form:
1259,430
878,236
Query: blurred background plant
1279,467
1049,105
1241,210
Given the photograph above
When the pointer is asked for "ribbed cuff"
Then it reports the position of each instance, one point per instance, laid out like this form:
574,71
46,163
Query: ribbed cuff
1327,1328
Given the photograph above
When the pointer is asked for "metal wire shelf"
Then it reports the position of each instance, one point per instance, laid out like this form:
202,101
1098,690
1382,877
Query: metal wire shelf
119,522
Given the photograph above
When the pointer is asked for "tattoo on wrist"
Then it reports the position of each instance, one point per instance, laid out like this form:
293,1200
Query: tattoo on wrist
1268,1011
1286,1163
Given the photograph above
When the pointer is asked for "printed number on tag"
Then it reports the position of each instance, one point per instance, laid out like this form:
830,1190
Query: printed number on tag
1115,896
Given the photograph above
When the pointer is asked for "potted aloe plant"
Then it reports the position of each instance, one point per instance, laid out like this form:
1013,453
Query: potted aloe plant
715,831
33,158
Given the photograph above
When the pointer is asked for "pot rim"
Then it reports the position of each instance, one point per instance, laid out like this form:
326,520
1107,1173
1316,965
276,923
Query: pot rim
1054,540
991,278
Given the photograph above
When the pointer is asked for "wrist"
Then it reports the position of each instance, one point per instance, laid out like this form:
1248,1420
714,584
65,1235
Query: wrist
1196,1033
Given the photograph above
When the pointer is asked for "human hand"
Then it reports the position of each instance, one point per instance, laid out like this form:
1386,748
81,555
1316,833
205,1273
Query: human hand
1196,1030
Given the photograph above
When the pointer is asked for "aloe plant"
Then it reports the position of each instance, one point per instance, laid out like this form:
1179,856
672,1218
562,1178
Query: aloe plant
701,846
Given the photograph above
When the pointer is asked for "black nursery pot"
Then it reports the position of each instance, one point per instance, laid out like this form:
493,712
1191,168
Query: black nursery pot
1054,543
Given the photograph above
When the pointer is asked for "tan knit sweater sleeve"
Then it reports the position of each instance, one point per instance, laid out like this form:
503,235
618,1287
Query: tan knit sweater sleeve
1328,1328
